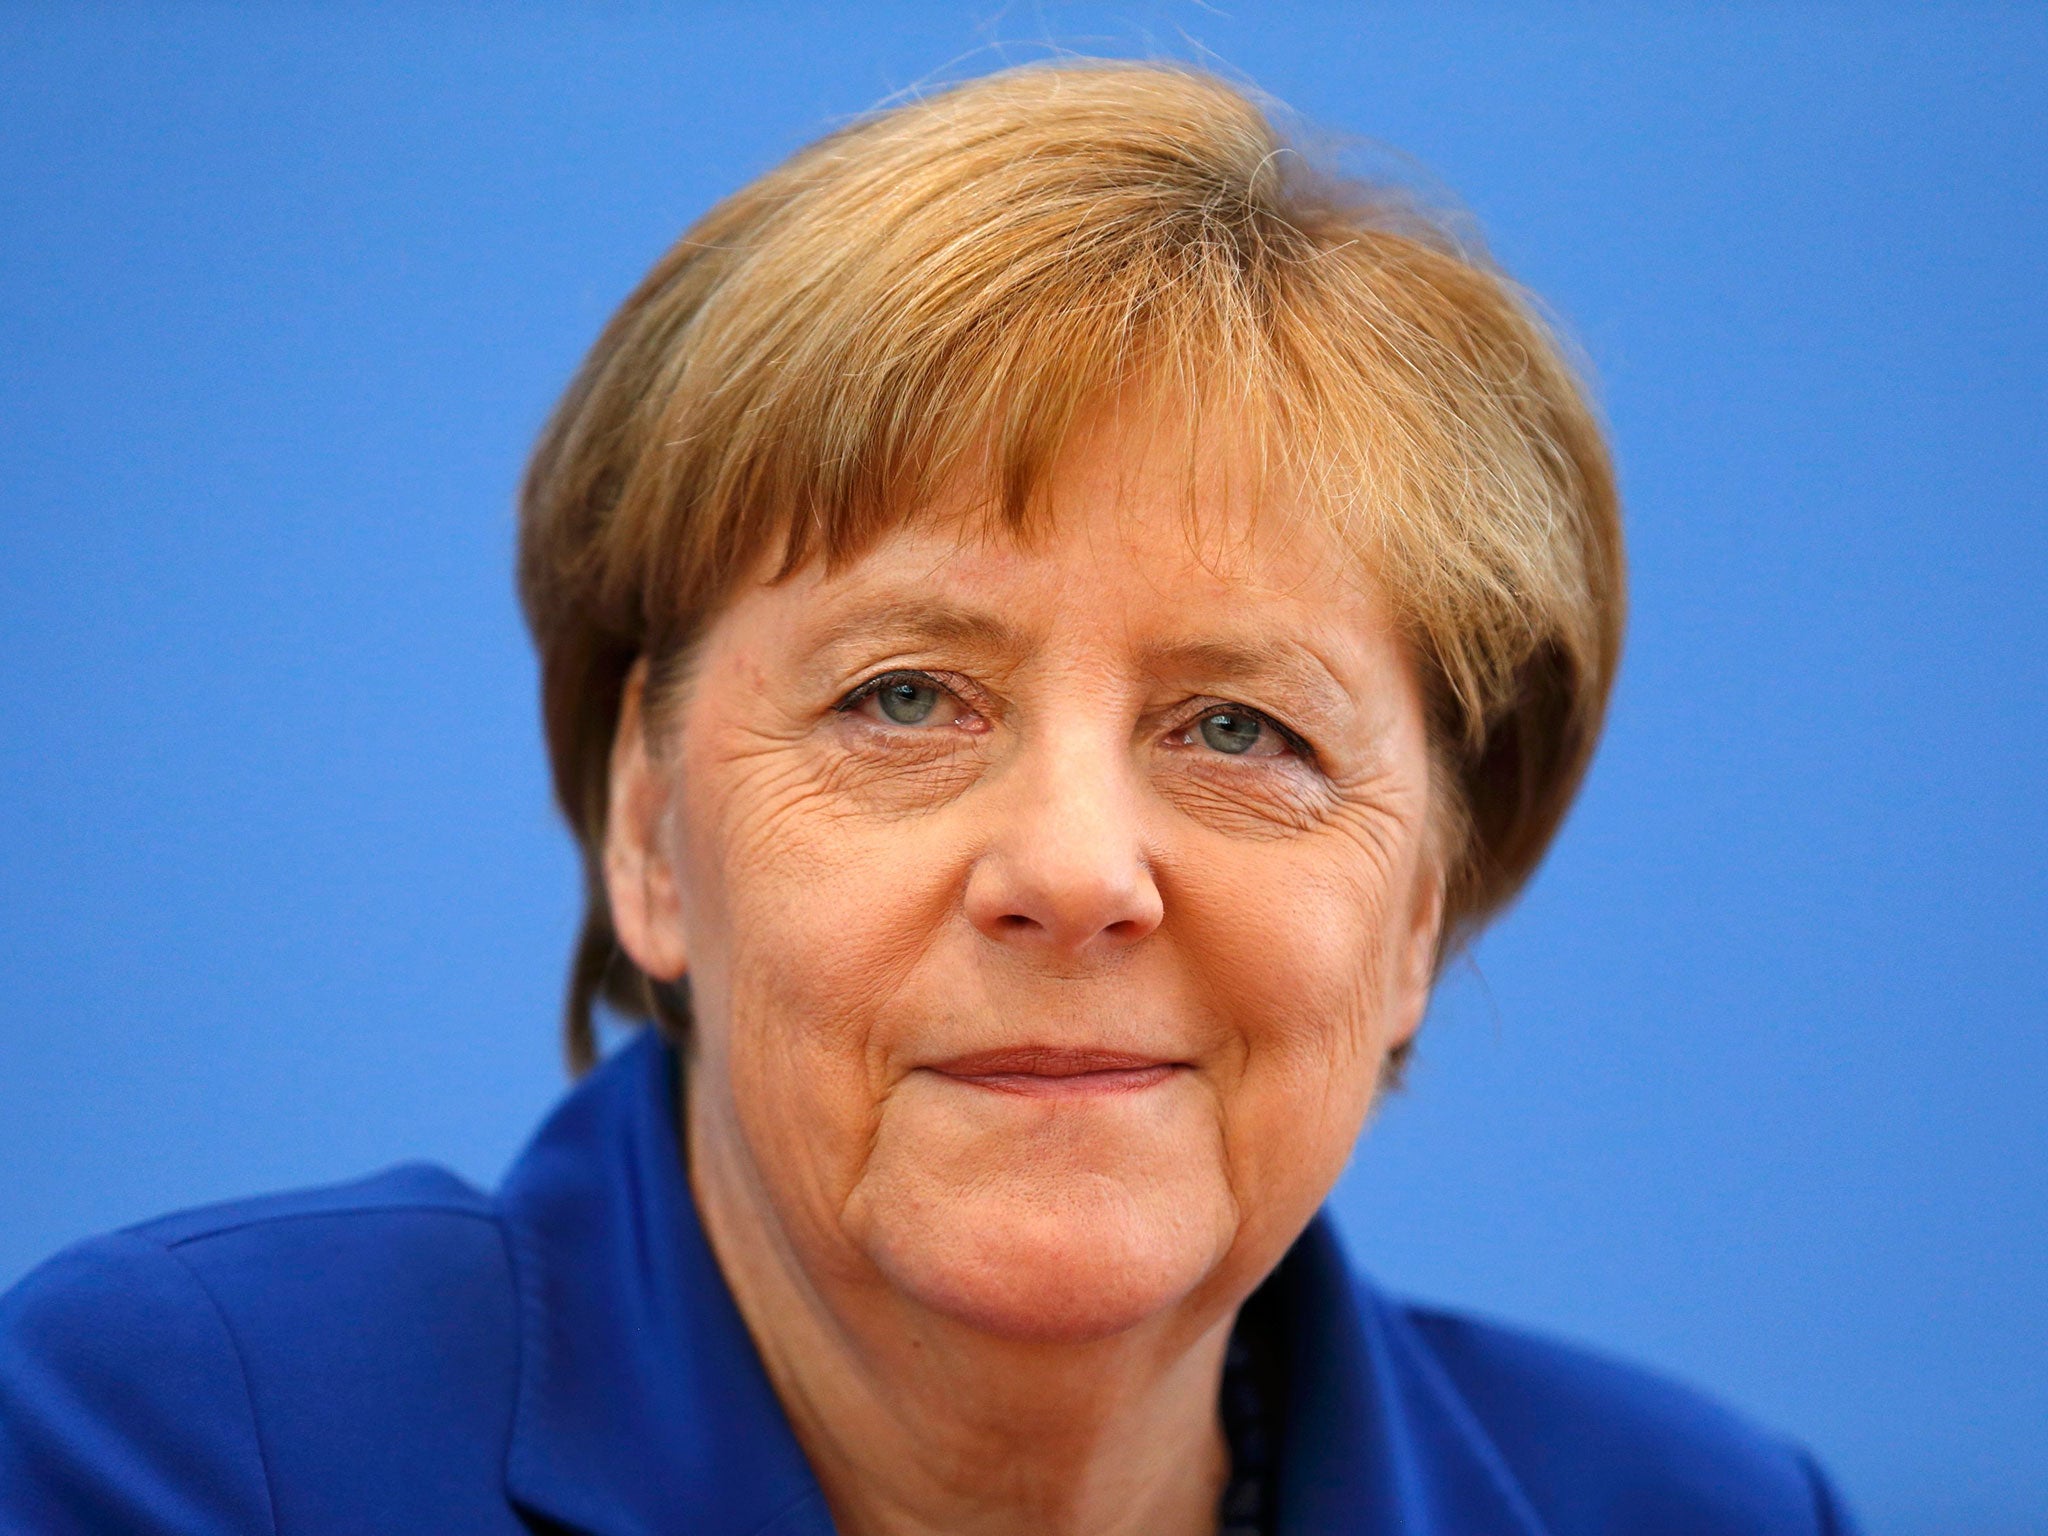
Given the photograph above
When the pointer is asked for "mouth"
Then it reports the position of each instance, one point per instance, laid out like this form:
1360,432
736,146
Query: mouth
1058,1071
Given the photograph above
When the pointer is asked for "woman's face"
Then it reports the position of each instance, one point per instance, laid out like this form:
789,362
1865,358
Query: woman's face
1049,910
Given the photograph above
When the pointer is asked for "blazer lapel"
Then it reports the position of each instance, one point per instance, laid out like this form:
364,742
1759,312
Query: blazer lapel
643,1409
1377,1441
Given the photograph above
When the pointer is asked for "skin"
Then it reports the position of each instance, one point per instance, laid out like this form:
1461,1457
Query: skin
994,1294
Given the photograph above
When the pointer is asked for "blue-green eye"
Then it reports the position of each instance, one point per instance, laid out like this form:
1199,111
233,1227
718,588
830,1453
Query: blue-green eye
906,700
1233,731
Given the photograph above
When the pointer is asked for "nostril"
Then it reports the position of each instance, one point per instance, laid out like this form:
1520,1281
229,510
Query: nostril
1015,921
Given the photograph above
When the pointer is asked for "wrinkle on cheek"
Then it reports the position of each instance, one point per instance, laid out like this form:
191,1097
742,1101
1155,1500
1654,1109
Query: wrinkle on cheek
769,796
896,783
1386,821
846,1205
802,1058
1255,804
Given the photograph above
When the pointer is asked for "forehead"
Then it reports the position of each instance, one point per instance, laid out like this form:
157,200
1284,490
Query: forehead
1144,502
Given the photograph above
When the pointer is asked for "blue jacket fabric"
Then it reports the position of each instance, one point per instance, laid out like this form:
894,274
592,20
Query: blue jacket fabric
407,1355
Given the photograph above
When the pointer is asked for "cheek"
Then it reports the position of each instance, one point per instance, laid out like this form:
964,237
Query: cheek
1294,943
803,923
772,868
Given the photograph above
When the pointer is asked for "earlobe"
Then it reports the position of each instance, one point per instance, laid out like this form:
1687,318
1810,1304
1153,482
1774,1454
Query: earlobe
639,875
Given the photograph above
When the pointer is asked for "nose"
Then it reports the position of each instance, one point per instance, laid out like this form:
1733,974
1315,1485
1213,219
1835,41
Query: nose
1065,869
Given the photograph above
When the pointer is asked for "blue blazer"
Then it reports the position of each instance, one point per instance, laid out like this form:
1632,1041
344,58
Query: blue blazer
408,1357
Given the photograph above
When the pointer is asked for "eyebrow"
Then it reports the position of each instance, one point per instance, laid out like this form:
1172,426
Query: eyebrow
921,623
1277,661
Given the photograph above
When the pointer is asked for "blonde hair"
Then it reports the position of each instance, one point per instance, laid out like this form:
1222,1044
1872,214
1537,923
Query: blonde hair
948,288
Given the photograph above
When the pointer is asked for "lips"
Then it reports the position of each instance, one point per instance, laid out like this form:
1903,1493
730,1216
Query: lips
1057,1071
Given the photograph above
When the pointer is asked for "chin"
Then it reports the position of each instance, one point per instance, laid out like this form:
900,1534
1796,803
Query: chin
1046,1265
1057,1222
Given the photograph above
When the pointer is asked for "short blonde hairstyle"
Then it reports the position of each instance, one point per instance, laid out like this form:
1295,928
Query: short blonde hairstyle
948,288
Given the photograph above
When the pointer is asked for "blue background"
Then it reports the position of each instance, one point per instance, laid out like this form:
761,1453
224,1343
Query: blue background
1750,1086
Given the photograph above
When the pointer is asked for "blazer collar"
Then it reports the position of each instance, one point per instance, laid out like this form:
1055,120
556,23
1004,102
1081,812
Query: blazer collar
643,1408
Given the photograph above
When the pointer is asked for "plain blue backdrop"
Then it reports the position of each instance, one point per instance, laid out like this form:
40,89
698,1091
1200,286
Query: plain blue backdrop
1750,1086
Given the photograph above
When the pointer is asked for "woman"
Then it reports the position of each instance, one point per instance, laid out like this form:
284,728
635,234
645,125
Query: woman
1054,620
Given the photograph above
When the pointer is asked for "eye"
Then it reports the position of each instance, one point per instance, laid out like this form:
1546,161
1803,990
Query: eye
907,702
905,698
1239,732
1232,732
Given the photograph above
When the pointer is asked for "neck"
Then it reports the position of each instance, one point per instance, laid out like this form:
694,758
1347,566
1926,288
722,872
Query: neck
915,1423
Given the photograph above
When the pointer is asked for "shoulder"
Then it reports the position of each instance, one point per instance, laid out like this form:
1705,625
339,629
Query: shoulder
347,1257
193,1371
1600,1445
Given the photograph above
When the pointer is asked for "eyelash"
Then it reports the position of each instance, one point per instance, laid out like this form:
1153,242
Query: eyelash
880,680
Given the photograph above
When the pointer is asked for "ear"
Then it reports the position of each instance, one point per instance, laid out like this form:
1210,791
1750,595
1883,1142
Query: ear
639,872
1414,969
